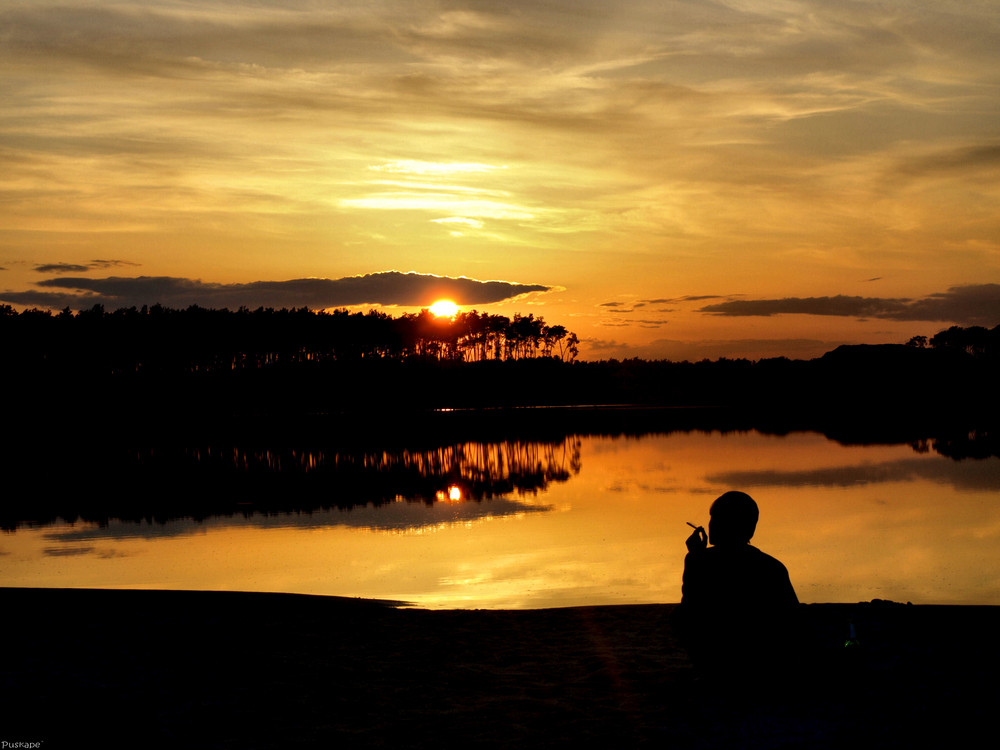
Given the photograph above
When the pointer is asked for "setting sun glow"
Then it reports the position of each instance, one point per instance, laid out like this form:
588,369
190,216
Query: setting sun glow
444,308
663,186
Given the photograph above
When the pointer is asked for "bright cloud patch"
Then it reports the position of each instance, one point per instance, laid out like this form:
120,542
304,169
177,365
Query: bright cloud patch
433,168
440,203
474,223
439,187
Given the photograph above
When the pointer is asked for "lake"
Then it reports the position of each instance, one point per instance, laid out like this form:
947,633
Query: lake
576,520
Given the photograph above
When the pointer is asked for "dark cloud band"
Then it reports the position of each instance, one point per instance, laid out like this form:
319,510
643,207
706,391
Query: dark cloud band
389,288
961,475
976,304
62,268
81,268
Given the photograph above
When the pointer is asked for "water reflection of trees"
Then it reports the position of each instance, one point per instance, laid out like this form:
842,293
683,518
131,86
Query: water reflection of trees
160,483
133,467
980,443
480,469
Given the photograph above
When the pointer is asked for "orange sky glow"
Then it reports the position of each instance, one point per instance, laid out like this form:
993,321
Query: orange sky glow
672,179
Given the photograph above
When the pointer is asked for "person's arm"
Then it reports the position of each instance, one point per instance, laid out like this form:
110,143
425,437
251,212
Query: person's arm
781,592
789,596
692,586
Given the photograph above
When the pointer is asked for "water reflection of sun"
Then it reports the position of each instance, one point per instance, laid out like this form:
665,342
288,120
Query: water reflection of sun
444,308
452,495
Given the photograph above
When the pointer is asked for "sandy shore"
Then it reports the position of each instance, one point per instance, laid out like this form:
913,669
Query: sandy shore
86,668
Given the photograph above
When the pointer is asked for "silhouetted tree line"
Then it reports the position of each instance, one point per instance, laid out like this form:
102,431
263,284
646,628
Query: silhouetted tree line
208,340
976,341
154,365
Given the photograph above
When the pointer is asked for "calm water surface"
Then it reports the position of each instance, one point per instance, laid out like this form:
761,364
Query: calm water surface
588,520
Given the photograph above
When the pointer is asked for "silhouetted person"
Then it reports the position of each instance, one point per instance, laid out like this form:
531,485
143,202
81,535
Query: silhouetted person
737,603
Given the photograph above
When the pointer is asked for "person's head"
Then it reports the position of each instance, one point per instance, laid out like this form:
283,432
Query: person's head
733,519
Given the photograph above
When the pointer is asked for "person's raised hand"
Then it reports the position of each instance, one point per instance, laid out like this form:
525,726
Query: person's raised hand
698,540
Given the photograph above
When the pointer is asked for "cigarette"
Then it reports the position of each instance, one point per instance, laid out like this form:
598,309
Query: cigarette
696,528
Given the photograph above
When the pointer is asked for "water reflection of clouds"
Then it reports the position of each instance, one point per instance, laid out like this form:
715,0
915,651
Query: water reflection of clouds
634,486
393,517
67,551
966,475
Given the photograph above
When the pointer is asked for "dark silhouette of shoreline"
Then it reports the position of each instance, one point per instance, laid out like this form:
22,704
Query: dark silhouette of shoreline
105,411
156,364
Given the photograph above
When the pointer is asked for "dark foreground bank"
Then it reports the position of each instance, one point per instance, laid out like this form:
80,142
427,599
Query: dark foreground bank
87,668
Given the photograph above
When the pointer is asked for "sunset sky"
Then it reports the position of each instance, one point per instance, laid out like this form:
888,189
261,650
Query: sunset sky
678,179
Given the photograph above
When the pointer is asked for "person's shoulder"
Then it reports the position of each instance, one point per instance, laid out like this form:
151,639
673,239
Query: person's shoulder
765,559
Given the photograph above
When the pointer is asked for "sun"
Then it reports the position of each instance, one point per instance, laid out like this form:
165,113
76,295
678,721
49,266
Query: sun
444,308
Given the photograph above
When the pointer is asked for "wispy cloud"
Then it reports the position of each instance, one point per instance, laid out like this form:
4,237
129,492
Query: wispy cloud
980,158
473,223
61,268
81,267
434,168
389,288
